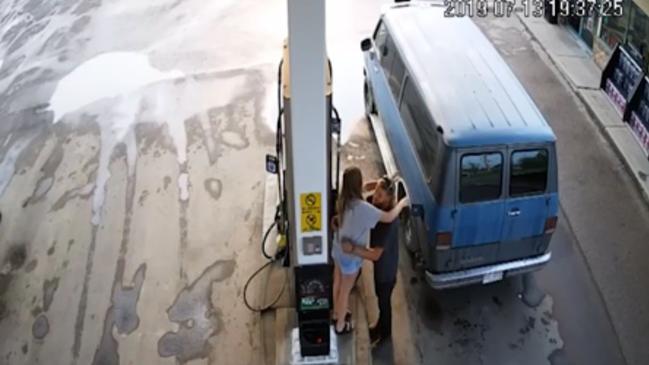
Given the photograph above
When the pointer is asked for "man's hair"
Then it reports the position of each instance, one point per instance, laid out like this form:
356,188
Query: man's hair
387,184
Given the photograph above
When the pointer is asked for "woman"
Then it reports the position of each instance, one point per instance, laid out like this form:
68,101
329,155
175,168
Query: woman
384,253
357,218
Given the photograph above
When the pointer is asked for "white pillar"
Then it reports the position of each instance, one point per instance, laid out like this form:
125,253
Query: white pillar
307,134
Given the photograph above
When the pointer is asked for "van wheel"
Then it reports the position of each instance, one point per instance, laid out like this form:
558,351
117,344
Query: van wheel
407,236
406,233
370,107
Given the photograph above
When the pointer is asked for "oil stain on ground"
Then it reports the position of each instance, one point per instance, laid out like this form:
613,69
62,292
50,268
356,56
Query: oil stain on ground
16,256
14,260
46,180
31,266
49,288
41,327
5,281
213,187
197,318
122,314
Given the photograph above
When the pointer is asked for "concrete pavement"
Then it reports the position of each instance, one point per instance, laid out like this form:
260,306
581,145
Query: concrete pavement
128,224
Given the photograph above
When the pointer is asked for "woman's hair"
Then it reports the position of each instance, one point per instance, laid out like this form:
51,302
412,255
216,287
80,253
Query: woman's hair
352,189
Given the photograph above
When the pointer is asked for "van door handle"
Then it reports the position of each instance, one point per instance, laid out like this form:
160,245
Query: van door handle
514,212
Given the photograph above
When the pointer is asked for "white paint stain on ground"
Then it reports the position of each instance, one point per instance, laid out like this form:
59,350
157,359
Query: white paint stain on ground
123,88
115,76
115,123
127,90
105,76
174,103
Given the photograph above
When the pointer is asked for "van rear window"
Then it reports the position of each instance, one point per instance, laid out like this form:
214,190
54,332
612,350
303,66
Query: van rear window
529,172
481,177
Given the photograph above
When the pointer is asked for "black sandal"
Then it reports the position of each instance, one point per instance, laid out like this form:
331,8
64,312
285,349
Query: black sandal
348,317
348,328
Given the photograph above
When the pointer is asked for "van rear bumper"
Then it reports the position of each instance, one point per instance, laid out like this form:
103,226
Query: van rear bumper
475,275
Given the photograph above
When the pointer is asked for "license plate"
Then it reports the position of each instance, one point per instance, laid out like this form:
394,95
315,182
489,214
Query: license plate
492,277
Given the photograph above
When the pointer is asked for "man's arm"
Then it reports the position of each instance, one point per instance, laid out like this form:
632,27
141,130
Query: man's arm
372,254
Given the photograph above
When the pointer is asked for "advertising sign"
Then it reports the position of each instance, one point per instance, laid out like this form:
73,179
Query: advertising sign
621,78
638,116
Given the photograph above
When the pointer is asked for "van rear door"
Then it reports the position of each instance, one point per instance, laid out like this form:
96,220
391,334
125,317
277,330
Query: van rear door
480,206
527,204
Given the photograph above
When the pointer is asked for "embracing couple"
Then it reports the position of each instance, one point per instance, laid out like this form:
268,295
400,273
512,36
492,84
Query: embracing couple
360,223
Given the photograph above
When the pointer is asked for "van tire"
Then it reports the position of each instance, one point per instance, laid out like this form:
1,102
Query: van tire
407,232
370,106
408,237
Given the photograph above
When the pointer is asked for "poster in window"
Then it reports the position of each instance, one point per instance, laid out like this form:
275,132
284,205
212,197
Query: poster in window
639,115
622,76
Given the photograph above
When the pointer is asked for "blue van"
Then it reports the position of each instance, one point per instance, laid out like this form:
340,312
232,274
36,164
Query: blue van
474,153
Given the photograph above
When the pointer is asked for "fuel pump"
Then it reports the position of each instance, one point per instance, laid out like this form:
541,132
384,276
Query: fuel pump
307,163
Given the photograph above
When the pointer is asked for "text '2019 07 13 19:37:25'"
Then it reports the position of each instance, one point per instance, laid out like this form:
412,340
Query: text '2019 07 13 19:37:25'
533,8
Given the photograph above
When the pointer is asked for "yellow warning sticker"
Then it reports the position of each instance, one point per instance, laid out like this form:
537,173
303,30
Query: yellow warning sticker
311,211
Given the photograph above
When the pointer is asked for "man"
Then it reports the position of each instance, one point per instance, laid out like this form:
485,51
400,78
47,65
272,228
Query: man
384,252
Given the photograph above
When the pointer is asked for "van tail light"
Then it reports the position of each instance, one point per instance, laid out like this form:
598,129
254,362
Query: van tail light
443,240
550,225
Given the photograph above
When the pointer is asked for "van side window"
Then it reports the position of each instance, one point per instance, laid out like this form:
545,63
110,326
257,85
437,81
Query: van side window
421,130
480,177
387,55
380,36
529,172
396,75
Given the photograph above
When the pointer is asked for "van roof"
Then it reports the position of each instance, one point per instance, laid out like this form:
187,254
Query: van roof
470,90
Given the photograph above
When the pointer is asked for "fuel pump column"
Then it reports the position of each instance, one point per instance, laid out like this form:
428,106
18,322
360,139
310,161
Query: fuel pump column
307,121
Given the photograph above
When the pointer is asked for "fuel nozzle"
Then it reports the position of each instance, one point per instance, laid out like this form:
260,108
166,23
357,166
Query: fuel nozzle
281,246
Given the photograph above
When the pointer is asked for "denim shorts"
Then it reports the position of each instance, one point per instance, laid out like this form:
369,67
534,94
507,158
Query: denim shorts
348,264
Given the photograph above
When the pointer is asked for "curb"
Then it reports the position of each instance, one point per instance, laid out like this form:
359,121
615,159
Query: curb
267,325
268,211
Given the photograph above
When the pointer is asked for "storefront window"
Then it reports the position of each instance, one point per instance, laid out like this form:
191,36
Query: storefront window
631,29
614,27
638,36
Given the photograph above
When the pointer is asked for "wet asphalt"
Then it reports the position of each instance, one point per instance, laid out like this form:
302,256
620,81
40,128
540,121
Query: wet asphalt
130,224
